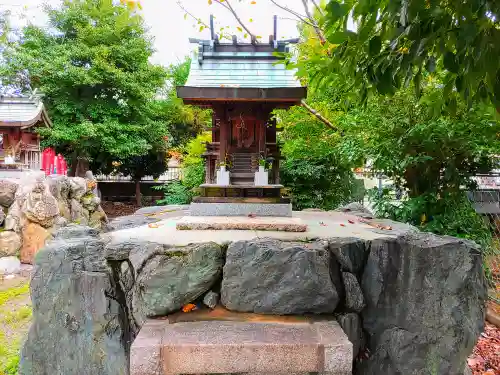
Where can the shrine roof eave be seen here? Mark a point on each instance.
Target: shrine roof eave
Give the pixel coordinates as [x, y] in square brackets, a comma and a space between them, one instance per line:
[194, 95]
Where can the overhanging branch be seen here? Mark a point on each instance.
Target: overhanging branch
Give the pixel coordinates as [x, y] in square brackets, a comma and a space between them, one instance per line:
[318, 115]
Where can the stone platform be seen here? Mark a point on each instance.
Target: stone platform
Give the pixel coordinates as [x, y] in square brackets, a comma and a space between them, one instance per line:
[280, 224]
[224, 347]
[241, 209]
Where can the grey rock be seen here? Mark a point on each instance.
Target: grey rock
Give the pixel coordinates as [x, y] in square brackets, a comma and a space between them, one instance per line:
[78, 188]
[355, 207]
[15, 219]
[9, 265]
[467, 370]
[350, 252]
[274, 277]
[60, 187]
[2, 216]
[79, 321]
[167, 281]
[211, 299]
[354, 300]
[72, 231]
[8, 190]
[131, 221]
[10, 243]
[351, 324]
[40, 206]
[425, 298]
[79, 215]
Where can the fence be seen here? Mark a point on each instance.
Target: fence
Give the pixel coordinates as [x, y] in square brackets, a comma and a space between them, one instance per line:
[172, 174]
[487, 203]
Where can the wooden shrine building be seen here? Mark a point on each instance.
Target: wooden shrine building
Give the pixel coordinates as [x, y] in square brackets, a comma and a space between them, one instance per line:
[243, 83]
[20, 115]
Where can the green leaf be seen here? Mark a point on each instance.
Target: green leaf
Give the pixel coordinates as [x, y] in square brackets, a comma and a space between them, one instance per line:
[450, 62]
[336, 10]
[340, 37]
[374, 46]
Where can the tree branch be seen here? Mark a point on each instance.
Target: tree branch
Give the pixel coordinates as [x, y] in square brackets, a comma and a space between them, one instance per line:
[318, 115]
[285, 8]
[316, 27]
[318, 8]
[191, 14]
[228, 6]
[297, 20]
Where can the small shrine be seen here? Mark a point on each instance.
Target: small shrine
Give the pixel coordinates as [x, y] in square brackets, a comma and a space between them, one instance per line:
[242, 83]
[20, 115]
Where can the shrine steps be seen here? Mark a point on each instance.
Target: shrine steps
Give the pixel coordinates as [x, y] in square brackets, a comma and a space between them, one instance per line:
[241, 347]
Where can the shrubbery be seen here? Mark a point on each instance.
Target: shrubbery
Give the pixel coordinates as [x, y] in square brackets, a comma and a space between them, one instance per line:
[193, 173]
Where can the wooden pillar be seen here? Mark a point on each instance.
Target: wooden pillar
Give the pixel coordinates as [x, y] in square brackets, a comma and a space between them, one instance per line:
[261, 130]
[224, 133]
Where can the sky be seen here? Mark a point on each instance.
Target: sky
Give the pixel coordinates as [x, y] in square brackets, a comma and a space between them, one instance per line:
[169, 28]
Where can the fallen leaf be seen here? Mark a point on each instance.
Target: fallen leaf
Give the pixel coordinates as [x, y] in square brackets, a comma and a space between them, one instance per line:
[342, 225]
[189, 307]
[154, 225]
[350, 221]
[252, 215]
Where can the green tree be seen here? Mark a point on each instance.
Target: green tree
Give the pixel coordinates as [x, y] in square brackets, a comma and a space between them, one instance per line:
[92, 64]
[396, 42]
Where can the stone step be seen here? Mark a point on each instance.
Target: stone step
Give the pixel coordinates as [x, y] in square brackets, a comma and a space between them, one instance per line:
[240, 209]
[248, 175]
[266, 223]
[222, 347]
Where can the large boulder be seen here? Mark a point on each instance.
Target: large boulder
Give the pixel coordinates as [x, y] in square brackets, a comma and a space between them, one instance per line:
[60, 188]
[425, 298]
[14, 221]
[8, 190]
[130, 221]
[34, 238]
[80, 323]
[78, 188]
[351, 324]
[274, 277]
[10, 243]
[169, 279]
[40, 206]
[354, 300]
[350, 252]
[79, 215]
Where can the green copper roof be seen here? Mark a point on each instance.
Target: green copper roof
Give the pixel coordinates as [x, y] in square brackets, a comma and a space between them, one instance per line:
[241, 67]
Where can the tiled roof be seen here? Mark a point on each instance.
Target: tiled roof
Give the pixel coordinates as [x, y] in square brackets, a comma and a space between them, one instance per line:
[22, 111]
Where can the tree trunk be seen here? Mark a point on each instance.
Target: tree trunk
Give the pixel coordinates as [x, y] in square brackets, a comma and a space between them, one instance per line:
[138, 195]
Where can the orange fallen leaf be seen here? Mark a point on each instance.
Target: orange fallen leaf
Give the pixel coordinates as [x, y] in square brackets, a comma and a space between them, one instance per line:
[189, 307]
[342, 225]
[154, 225]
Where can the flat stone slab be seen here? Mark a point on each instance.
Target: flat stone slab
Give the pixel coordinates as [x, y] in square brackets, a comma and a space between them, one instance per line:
[221, 347]
[240, 209]
[320, 225]
[281, 224]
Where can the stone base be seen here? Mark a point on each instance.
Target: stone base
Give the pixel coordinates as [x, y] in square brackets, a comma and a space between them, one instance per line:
[280, 224]
[241, 209]
[219, 347]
